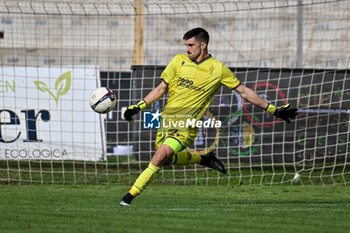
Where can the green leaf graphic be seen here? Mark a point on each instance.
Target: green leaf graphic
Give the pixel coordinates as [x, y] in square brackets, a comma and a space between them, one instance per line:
[41, 86]
[63, 83]
[62, 86]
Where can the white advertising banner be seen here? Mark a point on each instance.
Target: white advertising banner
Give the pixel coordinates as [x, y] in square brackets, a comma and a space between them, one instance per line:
[45, 114]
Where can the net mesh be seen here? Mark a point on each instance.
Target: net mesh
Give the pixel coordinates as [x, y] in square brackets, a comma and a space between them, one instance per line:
[288, 51]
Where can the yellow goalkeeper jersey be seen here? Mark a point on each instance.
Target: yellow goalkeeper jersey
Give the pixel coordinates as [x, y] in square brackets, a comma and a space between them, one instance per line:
[192, 86]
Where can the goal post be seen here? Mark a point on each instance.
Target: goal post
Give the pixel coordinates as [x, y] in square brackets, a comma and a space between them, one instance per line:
[288, 51]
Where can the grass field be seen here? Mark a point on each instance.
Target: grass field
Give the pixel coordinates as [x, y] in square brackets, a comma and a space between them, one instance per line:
[161, 208]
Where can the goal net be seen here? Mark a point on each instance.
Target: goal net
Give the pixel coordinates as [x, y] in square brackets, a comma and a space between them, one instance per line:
[54, 53]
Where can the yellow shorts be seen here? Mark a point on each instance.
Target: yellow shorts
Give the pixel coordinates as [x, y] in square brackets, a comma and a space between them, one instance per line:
[184, 136]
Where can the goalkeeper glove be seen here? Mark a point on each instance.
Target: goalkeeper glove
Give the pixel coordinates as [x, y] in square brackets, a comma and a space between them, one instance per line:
[282, 112]
[132, 110]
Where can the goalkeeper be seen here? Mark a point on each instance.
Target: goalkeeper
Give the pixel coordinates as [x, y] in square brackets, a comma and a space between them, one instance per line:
[192, 80]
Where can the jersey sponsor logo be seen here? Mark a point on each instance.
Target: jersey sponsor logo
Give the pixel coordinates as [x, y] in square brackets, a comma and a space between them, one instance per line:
[186, 83]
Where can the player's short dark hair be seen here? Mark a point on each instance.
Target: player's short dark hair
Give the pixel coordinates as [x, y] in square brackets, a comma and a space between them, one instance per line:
[199, 34]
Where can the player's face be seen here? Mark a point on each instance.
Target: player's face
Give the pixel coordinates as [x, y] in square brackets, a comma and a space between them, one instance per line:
[193, 48]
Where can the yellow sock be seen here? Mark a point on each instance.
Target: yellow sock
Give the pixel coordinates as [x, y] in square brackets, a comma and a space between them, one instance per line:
[146, 177]
[185, 157]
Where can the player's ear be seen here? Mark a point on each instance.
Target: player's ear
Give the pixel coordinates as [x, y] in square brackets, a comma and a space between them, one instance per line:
[203, 45]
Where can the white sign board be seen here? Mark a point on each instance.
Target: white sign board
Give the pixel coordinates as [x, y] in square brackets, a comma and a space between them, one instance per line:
[45, 114]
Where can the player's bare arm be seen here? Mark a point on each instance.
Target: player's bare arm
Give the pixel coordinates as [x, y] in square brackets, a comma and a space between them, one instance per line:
[251, 96]
[283, 112]
[156, 93]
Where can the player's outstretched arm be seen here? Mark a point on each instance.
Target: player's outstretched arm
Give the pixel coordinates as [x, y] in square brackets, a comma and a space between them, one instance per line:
[283, 112]
[154, 95]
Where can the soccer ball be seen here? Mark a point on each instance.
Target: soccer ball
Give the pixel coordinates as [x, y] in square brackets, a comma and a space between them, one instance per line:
[102, 100]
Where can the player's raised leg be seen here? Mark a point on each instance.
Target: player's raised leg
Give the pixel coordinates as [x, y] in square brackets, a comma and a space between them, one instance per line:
[209, 160]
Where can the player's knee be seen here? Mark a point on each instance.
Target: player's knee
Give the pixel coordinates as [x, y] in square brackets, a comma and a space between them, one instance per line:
[162, 156]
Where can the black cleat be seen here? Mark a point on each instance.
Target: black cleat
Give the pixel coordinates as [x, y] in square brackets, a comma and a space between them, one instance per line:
[126, 200]
[210, 160]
